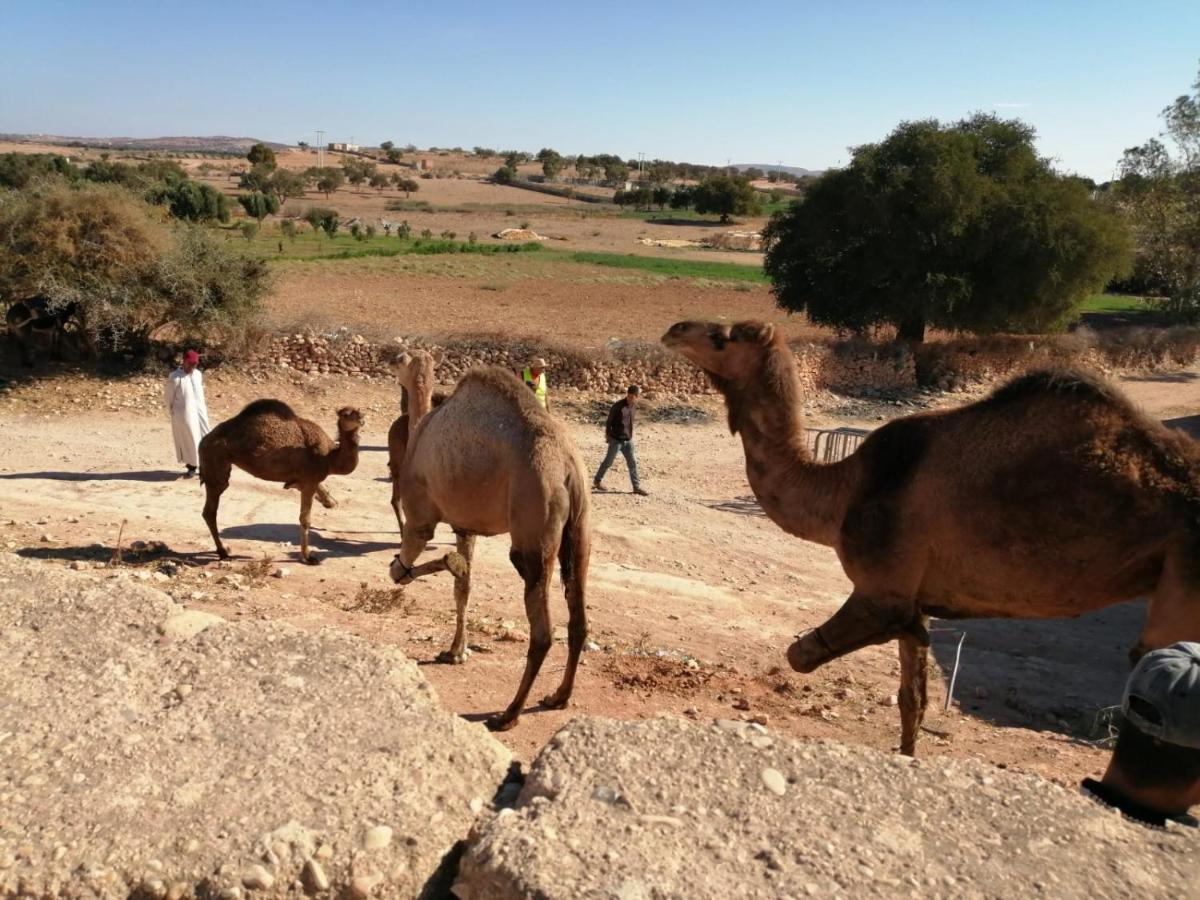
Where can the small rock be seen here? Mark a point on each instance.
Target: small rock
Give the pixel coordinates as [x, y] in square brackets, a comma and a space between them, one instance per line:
[361, 887]
[314, 877]
[741, 703]
[377, 838]
[591, 647]
[47, 538]
[257, 878]
[187, 624]
[282, 572]
[773, 781]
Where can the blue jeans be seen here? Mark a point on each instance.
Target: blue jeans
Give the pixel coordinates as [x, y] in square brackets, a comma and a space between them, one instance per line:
[626, 448]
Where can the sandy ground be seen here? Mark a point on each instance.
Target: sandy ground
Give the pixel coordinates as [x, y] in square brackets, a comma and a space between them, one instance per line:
[693, 597]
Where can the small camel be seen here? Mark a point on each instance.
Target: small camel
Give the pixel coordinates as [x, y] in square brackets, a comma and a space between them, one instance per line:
[488, 461]
[39, 317]
[268, 440]
[1051, 498]
[415, 372]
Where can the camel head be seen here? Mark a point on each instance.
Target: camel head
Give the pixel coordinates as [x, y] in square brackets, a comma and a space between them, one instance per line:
[732, 355]
[415, 369]
[349, 420]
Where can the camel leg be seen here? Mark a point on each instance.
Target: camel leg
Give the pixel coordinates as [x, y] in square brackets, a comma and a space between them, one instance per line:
[536, 571]
[396, 504]
[216, 479]
[573, 559]
[862, 620]
[325, 498]
[914, 683]
[1174, 610]
[457, 654]
[307, 492]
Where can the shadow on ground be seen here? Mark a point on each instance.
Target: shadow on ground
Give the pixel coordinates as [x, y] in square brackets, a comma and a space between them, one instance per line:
[1189, 425]
[290, 534]
[742, 506]
[150, 475]
[1048, 674]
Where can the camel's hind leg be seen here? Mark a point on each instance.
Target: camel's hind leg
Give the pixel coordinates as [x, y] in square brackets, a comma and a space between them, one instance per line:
[324, 497]
[573, 558]
[914, 683]
[307, 492]
[215, 475]
[457, 654]
[535, 568]
[396, 501]
[1174, 610]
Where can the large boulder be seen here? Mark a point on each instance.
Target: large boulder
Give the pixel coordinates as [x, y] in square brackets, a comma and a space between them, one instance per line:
[153, 752]
[664, 808]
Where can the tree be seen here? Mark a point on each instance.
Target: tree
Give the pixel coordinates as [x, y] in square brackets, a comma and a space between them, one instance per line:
[615, 171]
[262, 155]
[726, 195]
[322, 218]
[552, 162]
[131, 272]
[258, 178]
[259, 205]
[505, 175]
[358, 171]
[386, 146]
[753, 174]
[961, 227]
[661, 195]
[287, 184]
[682, 198]
[197, 202]
[394, 156]
[288, 229]
[303, 145]
[329, 180]
[379, 181]
[1159, 195]
[403, 183]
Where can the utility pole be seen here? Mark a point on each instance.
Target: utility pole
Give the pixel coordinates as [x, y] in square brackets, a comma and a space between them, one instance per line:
[320, 149]
[641, 165]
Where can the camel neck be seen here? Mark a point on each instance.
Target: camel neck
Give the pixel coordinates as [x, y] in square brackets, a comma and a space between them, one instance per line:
[345, 455]
[801, 496]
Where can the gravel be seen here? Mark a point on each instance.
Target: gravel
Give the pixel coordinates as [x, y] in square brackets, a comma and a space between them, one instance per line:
[151, 751]
[664, 808]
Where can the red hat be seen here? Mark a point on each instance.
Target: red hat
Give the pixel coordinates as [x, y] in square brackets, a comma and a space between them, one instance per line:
[191, 357]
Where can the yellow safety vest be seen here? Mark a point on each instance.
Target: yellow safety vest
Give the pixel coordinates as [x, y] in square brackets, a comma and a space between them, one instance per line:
[539, 388]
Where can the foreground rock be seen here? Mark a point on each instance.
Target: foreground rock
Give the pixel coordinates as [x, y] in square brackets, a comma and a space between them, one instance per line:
[153, 752]
[662, 808]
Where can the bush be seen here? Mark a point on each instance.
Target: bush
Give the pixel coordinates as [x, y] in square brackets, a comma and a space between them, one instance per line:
[321, 218]
[505, 175]
[131, 272]
[259, 205]
[17, 170]
[248, 230]
[404, 231]
[288, 229]
[426, 233]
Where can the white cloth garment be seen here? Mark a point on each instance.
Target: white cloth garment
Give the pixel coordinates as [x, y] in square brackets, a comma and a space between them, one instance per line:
[184, 396]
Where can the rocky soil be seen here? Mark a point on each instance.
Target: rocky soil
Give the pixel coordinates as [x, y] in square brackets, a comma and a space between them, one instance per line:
[663, 808]
[151, 751]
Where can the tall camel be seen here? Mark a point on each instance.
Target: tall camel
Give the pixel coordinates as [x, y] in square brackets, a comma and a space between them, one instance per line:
[268, 440]
[415, 372]
[488, 461]
[1051, 498]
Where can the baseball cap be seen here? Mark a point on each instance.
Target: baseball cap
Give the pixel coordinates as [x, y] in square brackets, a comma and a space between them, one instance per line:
[634, 389]
[1162, 696]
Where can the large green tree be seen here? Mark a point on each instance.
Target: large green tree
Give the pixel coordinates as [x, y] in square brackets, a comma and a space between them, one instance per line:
[259, 205]
[726, 195]
[960, 226]
[262, 155]
[1159, 193]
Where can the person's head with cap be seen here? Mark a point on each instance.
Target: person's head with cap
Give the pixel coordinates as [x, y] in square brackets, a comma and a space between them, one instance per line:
[537, 365]
[1156, 762]
[631, 395]
[191, 359]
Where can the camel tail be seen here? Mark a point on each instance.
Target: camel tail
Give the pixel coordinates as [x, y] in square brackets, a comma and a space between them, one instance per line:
[575, 549]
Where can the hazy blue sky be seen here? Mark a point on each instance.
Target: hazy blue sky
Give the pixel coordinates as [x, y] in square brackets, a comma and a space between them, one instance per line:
[703, 82]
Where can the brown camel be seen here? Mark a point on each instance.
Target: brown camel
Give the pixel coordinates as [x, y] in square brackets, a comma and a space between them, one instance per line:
[1050, 498]
[268, 440]
[415, 372]
[491, 460]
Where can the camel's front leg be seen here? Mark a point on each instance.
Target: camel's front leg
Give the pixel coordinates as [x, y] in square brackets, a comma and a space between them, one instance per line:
[325, 498]
[457, 654]
[914, 683]
[306, 498]
[536, 572]
[861, 621]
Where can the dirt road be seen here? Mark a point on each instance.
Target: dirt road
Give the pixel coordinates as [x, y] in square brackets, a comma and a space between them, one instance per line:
[694, 595]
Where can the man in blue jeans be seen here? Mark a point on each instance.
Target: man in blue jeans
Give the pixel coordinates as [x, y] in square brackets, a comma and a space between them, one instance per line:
[619, 432]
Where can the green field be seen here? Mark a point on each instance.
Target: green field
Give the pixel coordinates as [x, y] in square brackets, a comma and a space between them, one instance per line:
[1115, 303]
[669, 268]
[310, 246]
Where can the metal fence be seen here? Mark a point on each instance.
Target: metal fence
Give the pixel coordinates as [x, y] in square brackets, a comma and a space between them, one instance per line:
[831, 444]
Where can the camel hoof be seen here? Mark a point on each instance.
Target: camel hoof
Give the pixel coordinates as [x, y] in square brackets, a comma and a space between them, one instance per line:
[450, 658]
[806, 655]
[500, 723]
[222, 553]
[311, 560]
[552, 701]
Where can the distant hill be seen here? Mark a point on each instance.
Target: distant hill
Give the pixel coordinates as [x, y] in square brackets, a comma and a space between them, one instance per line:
[771, 167]
[213, 144]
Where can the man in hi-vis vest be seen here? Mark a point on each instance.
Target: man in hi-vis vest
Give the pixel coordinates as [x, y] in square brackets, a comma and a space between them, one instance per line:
[534, 376]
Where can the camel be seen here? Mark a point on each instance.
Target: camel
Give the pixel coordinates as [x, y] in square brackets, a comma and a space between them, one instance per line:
[38, 317]
[1050, 498]
[489, 461]
[415, 372]
[268, 440]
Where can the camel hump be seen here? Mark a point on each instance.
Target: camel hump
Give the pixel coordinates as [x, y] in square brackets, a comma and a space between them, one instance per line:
[1061, 383]
[267, 407]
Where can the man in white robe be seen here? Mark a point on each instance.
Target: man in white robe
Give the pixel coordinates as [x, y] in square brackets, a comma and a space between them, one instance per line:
[184, 396]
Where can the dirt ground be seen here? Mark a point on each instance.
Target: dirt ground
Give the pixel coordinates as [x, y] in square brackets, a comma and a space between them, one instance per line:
[693, 598]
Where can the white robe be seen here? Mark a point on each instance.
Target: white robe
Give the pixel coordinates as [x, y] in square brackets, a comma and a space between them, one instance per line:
[184, 395]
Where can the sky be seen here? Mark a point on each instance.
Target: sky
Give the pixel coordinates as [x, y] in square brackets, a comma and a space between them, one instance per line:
[791, 82]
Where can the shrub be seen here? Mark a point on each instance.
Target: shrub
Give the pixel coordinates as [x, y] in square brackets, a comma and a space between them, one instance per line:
[248, 230]
[426, 233]
[322, 218]
[404, 231]
[288, 229]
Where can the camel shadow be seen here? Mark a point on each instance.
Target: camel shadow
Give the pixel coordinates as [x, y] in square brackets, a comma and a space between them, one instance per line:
[152, 552]
[1189, 425]
[742, 506]
[151, 476]
[1164, 378]
[1046, 674]
[279, 533]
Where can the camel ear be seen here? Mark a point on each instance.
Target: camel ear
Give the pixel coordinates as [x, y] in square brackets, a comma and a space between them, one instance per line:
[753, 332]
[438, 355]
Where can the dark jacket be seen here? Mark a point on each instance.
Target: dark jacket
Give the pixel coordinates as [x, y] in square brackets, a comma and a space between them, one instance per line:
[619, 426]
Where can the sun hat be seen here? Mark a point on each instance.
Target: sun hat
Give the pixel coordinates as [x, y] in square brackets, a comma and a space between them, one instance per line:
[537, 363]
[1162, 696]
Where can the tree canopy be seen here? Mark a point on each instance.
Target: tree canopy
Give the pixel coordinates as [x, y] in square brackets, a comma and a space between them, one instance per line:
[726, 195]
[262, 155]
[961, 227]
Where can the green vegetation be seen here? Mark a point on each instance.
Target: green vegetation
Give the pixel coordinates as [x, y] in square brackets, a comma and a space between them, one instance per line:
[961, 227]
[670, 268]
[318, 245]
[1115, 303]
[726, 195]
